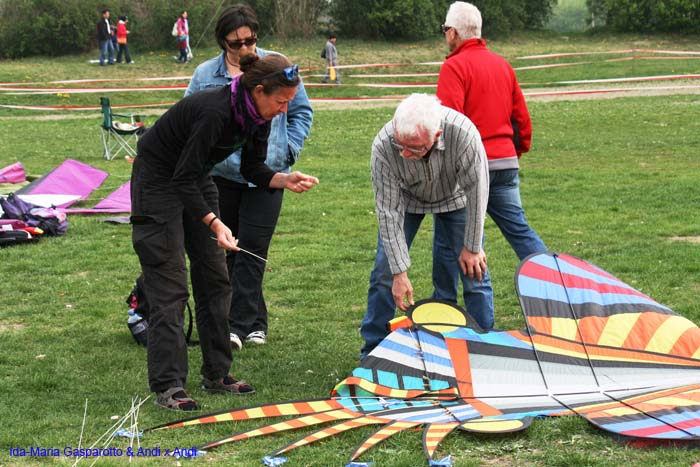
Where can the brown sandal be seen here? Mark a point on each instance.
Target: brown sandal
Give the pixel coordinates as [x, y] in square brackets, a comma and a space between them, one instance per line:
[176, 398]
[228, 385]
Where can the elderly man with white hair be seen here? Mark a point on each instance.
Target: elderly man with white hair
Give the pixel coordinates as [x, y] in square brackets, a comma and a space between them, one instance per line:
[482, 85]
[428, 160]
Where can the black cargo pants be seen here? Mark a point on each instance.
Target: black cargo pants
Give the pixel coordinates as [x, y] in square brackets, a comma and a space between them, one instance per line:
[162, 233]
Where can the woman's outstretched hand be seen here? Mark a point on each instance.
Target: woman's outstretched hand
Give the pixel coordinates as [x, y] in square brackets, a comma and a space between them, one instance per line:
[299, 182]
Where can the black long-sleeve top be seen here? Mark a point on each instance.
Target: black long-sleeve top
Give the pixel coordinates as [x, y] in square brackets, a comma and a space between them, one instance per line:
[194, 135]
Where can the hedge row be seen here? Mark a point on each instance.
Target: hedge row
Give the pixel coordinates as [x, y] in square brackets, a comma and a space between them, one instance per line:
[676, 16]
[59, 27]
[418, 19]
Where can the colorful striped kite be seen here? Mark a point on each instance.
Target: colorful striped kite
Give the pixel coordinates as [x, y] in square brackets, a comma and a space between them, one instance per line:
[593, 346]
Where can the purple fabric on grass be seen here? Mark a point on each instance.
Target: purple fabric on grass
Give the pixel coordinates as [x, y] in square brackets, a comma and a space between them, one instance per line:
[116, 202]
[69, 178]
[13, 173]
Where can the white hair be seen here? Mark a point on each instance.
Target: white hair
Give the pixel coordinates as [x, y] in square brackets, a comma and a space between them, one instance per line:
[465, 18]
[416, 112]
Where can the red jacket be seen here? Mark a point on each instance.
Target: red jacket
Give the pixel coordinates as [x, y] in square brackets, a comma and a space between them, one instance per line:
[121, 32]
[482, 85]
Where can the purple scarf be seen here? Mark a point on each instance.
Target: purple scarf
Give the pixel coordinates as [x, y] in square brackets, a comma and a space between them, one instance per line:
[239, 115]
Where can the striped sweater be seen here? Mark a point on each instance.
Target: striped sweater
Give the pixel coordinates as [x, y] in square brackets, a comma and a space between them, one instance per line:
[452, 176]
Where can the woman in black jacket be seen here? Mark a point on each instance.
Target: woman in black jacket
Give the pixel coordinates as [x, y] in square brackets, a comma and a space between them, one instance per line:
[175, 211]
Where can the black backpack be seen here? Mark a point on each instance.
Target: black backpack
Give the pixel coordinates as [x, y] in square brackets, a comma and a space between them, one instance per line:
[323, 52]
[138, 302]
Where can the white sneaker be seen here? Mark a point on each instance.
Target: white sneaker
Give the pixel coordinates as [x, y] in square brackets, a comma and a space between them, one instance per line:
[236, 343]
[257, 337]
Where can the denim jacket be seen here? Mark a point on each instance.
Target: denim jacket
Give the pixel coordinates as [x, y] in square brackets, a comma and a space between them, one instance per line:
[287, 133]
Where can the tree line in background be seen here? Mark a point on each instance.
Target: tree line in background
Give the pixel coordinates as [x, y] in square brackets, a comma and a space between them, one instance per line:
[60, 27]
[418, 19]
[647, 16]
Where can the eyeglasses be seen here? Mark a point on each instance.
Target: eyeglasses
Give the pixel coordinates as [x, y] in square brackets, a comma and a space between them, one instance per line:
[444, 28]
[236, 45]
[290, 73]
[412, 150]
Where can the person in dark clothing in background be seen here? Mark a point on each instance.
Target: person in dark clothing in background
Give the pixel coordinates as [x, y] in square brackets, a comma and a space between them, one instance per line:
[104, 37]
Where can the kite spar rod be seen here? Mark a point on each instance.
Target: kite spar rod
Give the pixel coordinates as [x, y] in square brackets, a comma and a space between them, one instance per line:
[248, 252]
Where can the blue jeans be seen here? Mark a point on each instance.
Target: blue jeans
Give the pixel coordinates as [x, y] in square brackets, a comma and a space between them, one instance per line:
[106, 48]
[506, 210]
[448, 241]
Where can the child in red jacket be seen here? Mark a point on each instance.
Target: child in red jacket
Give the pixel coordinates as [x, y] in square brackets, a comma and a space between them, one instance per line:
[122, 32]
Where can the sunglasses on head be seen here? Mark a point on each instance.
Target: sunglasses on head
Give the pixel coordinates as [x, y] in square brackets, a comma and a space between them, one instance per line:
[444, 28]
[235, 45]
[290, 73]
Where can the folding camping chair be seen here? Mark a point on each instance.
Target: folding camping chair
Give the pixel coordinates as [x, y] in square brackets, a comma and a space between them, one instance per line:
[117, 136]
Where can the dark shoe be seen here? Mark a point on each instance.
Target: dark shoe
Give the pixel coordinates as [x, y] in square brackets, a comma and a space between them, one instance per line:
[228, 385]
[176, 399]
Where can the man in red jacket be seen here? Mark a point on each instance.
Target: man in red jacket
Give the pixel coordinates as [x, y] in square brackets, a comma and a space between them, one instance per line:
[482, 85]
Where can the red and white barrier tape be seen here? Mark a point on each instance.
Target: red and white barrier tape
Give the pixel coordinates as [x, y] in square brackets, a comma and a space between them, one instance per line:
[574, 92]
[28, 91]
[169, 104]
[631, 79]
[99, 80]
[397, 85]
[570, 92]
[624, 51]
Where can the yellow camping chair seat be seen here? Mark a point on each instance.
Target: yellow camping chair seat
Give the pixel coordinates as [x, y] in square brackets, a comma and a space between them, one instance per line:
[120, 132]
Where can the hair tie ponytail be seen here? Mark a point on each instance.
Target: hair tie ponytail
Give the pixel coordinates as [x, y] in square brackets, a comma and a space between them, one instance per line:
[247, 61]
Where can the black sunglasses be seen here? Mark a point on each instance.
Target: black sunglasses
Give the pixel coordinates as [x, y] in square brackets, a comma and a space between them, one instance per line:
[444, 28]
[290, 73]
[235, 45]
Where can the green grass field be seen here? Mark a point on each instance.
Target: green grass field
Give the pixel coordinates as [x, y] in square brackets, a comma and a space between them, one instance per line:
[611, 181]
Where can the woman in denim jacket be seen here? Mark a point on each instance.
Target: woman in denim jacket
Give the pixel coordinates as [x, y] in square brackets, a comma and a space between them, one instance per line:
[250, 211]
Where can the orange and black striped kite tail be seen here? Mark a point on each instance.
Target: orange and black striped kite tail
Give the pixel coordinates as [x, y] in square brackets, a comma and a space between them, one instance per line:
[293, 424]
[250, 413]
